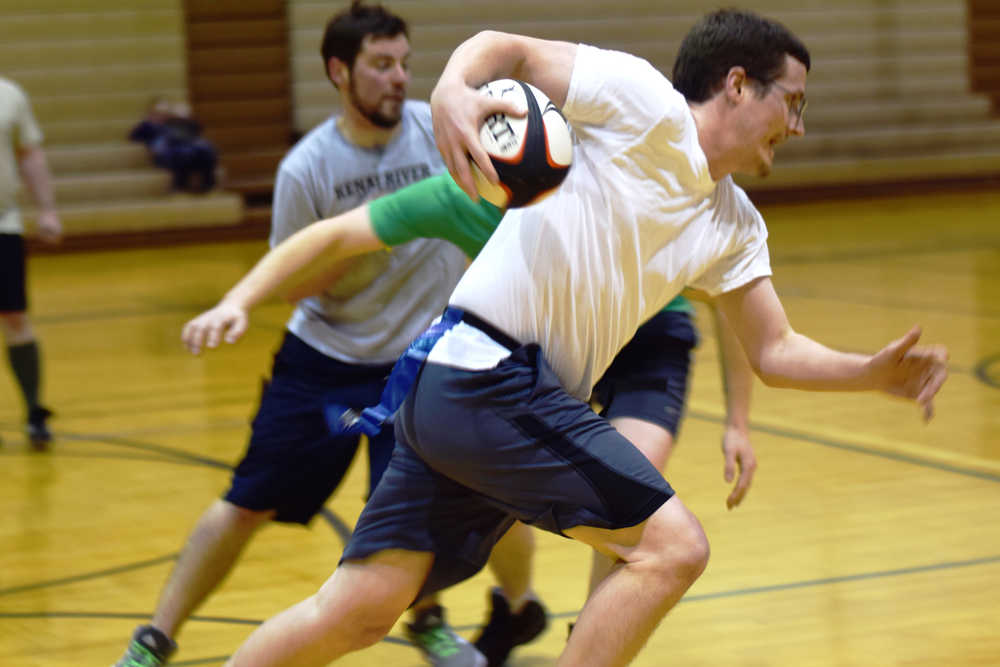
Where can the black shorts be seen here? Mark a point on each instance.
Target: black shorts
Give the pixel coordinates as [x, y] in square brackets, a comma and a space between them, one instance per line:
[13, 294]
[648, 380]
[478, 449]
[293, 463]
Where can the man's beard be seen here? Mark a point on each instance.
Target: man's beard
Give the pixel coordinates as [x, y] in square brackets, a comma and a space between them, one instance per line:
[372, 114]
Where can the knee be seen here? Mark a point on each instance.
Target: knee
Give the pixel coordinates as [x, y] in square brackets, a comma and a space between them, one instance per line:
[225, 513]
[368, 630]
[694, 551]
[684, 548]
[16, 327]
[355, 626]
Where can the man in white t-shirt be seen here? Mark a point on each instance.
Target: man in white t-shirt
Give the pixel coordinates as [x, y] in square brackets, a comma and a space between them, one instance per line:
[497, 427]
[21, 153]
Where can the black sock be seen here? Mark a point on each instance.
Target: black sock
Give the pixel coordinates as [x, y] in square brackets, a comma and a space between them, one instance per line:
[25, 362]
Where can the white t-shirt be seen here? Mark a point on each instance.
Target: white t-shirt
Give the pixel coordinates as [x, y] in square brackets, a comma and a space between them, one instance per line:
[637, 219]
[18, 131]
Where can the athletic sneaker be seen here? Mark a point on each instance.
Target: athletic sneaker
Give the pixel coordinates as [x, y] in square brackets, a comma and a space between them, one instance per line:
[149, 648]
[505, 630]
[439, 643]
[38, 430]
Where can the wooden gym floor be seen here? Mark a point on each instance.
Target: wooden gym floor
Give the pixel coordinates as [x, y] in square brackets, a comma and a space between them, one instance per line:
[868, 538]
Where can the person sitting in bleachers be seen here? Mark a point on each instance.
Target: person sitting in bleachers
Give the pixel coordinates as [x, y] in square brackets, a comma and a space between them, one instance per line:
[174, 140]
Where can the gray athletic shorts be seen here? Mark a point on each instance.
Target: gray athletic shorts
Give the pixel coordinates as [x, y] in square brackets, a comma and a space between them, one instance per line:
[476, 450]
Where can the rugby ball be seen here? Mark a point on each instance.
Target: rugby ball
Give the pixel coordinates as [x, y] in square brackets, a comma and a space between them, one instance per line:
[532, 154]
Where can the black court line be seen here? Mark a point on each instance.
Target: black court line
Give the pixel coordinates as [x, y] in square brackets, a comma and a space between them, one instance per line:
[887, 303]
[933, 247]
[85, 577]
[737, 592]
[334, 521]
[168, 452]
[857, 449]
[829, 581]
[988, 371]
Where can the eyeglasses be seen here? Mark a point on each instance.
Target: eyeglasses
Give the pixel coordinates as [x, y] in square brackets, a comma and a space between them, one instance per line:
[795, 108]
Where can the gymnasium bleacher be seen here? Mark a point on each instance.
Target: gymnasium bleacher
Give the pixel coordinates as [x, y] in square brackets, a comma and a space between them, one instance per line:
[90, 69]
[890, 99]
[889, 94]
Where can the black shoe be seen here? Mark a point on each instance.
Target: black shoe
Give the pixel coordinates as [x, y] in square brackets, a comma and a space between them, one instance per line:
[149, 648]
[505, 630]
[38, 429]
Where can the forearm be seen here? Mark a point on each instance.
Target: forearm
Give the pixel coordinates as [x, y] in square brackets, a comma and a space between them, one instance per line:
[38, 179]
[300, 260]
[798, 362]
[737, 375]
[491, 55]
[483, 57]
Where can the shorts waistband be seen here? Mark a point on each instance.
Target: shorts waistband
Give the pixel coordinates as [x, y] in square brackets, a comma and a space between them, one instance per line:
[477, 322]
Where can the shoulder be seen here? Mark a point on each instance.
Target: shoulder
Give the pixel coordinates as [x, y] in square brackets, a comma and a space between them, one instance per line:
[12, 91]
[9, 86]
[418, 110]
[607, 83]
[316, 142]
[417, 117]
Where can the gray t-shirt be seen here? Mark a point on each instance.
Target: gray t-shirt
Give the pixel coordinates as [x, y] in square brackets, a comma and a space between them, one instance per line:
[388, 297]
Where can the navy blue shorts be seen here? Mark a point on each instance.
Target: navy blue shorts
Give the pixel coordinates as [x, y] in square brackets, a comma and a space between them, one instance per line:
[13, 294]
[293, 464]
[477, 449]
[648, 380]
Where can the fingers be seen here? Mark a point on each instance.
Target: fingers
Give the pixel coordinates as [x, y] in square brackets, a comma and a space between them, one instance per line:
[191, 337]
[458, 115]
[933, 379]
[236, 331]
[901, 346]
[739, 491]
[739, 455]
[210, 328]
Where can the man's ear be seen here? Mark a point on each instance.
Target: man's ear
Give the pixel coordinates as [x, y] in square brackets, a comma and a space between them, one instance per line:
[736, 84]
[339, 73]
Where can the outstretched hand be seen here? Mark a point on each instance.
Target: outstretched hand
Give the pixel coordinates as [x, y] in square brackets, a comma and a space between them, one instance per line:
[903, 369]
[223, 322]
[458, 112]
[738, 455]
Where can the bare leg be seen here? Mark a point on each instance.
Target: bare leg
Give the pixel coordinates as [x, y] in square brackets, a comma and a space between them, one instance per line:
[210, 554]
[657, 444]
[16, 328]
[355, 608]
[661, 558]
[511, 564]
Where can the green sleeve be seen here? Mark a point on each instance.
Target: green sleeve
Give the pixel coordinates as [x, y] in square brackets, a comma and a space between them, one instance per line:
[434, 208]
[680, 303]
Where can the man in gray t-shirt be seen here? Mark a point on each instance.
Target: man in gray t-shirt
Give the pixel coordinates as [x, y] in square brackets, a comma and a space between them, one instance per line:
[339, 347]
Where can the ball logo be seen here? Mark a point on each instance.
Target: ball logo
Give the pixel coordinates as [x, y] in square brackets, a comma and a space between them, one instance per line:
[531, 153]
[503, 133]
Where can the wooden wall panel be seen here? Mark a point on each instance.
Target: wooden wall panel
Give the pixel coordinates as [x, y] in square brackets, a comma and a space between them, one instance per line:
[240, 86]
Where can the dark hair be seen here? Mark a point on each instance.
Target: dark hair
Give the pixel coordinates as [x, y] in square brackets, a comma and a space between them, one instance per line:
[347, 30]
[729, 38]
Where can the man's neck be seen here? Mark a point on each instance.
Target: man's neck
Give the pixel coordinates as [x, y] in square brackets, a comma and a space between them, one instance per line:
[364, 133]
[711, 138]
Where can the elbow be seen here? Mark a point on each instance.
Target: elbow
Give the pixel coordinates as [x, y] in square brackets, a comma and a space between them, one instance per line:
[767, 370]
[771, 380]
